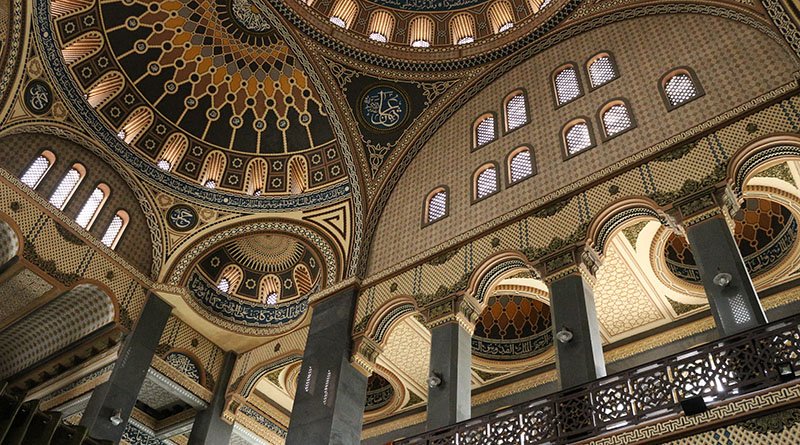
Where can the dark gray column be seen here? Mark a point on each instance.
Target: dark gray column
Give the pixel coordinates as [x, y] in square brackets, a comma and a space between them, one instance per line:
[580, 360]
[731, 295]
[329, 402]
[209, 428]
[735, 306]
[121, 390]
[451, 358]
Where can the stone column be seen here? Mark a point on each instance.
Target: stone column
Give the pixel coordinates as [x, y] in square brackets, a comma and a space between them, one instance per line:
[208, 424]
[576, 331]
[118, 395]
[329, 401]
[452, 322]
[731, 295]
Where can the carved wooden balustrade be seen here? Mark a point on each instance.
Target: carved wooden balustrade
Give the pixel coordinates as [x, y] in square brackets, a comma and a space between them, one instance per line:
[753, 360]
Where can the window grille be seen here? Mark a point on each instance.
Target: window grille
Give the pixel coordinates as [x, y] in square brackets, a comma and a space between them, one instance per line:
[521, 166]
[378, 37]
[578, 138]
[90, 208]
[338, 22]
[211, 184]
[516, 113]
[437, 206]
[466, 39]
[680, 89]
[567, 86]
[114, 231]
[65, 188]
[601, 71]
[486, 183]
[616, 120]
[164, 165]
[421, 43]
[34, 174]
[505, 27]
[272, 298]
[484, 132]
[224, 285]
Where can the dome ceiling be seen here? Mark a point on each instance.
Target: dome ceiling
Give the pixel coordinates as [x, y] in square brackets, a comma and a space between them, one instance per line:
[512, 327]
[206, 90]
[256, 281]
[765, 233]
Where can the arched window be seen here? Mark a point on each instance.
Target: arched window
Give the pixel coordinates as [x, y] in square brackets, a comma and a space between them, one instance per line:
[601, 70]
[343, 13]
[567, 85]
[537, 5]
[105, 89]
[381, 26]
[302, 279]
[462, 29]
[577, 137]
[616, 118]
[436, 205]
[520, 165]
[115, 228]
[679, 87]
[420, 32]
[483, 131]
[516, 111]
[82, 48]
[213, 168]
[136, 124]
[255, 179]
[298, 175]
[173, 151]
[69, 183]
[501, 16]
[269, 289]
[230, 278]
[38, 168]
[486, 182]
[92, 206]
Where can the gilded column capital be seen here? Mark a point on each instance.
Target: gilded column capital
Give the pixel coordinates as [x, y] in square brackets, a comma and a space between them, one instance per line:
[455, 308]
[579, 259]
[365, 355]
[713, 202]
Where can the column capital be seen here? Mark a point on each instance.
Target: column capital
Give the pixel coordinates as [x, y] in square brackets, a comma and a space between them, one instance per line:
[712, 202]
[365, 354]
[576, 259]
[455, 308]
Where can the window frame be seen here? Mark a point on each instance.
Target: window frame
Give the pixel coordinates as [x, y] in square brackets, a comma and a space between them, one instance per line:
[672, 73]
[572, 122]
[481, 117]
[509, 96]
[598, 55]
[604, 136]
[555, 73]
[125, 217]
[510, 155]
[426, 203]
[81, 169]
[477, 172]
[49, 156]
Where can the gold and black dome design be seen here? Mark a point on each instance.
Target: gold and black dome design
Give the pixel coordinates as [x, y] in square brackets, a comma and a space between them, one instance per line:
[258, 280]
[206, 90]
[765, 233]
[512, 327]
[379, 393]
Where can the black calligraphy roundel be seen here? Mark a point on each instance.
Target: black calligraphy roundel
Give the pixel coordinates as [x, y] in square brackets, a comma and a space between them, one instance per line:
[38, 97]
[383, 108]
[181, 217]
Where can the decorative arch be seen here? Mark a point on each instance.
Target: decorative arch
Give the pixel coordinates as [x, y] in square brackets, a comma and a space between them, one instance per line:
[343, 13]
[105, 89]
[516, 110]
[136, 124]
[388, 315]
[381, 25]
[298, 174]
[608, 220]
[501, 16]
[420, 32]
[269, 286]
[255, 180]
[462, 29]
[244, 385]
[37, 169]
[173, 150]
[213, 169]
[82, 48]
[492, 270]
[761, 153]
[485, 181]
[484, 130]
[233, 276]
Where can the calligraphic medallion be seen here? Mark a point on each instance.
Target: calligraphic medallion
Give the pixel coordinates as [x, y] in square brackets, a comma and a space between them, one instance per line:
[383, 108]
[38, 97]
[181, 217]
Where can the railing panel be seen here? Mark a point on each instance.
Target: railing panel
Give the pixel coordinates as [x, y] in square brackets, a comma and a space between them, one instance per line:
[745, 362]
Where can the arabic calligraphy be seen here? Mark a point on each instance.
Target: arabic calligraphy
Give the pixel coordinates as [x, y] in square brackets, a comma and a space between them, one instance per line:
[428, 5]
[38, 97]
[181, 217]
[384, 108]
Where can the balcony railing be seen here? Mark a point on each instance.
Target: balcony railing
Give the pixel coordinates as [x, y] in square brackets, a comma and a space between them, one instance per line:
[746, 362]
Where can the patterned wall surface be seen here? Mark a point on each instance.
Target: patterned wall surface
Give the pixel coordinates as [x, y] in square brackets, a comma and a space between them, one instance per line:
[448, 157]
[61, 322]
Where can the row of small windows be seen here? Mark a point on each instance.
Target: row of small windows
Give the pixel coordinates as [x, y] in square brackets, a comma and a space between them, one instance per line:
[462, 26]
[677, 87]
[69, 183]
[486, 182]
